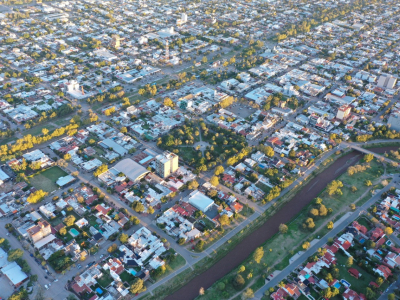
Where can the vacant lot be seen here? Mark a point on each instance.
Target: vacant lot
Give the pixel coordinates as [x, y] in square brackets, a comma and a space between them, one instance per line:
[241, 110]
[46, 180]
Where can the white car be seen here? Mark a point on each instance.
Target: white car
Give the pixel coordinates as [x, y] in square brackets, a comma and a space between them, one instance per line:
[101, 256]
[46, 287]
[56, 280]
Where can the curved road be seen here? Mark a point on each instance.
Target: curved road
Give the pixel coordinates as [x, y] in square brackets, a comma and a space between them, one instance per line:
[242, 251]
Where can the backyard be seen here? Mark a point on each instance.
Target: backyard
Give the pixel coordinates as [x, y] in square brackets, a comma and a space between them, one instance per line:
[359, 285]
[46, 180]
[105, 280]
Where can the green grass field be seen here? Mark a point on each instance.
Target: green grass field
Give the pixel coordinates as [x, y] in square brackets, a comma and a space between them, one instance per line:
[263, 187]
[173, 266]
[359, 284]
[127, 277]
[61, 122]
[46, 180]
[37, 130]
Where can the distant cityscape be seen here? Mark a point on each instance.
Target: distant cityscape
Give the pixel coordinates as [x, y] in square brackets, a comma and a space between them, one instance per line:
[199, 150]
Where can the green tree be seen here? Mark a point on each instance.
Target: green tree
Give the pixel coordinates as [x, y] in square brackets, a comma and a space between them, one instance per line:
[370, 294]
[199, 246]
[15, 254]
[123, 238]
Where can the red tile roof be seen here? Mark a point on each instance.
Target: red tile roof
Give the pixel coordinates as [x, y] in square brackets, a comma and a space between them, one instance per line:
[102, 209]
[228, 178]
[180, 210]
[360, 228]
[79, 289]
[373, 284]
[354, 272]
[376, 234]
[385, 271]
[189, 208]
[280, 294]
[91, 199]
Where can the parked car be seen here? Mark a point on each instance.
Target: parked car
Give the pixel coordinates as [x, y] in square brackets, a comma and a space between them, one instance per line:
[46, 287]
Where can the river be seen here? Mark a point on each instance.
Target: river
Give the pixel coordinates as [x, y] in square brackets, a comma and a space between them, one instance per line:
[238, 254]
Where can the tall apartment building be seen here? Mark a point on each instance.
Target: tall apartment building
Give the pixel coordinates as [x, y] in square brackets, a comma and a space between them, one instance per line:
[39, 231]
[343, 112]
[184, 18]
[116, 41]
[166, 164]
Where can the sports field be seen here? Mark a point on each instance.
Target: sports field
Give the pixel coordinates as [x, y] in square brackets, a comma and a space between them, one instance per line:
[46, 180]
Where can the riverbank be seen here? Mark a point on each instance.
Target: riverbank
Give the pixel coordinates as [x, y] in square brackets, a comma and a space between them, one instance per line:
[209, 270]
